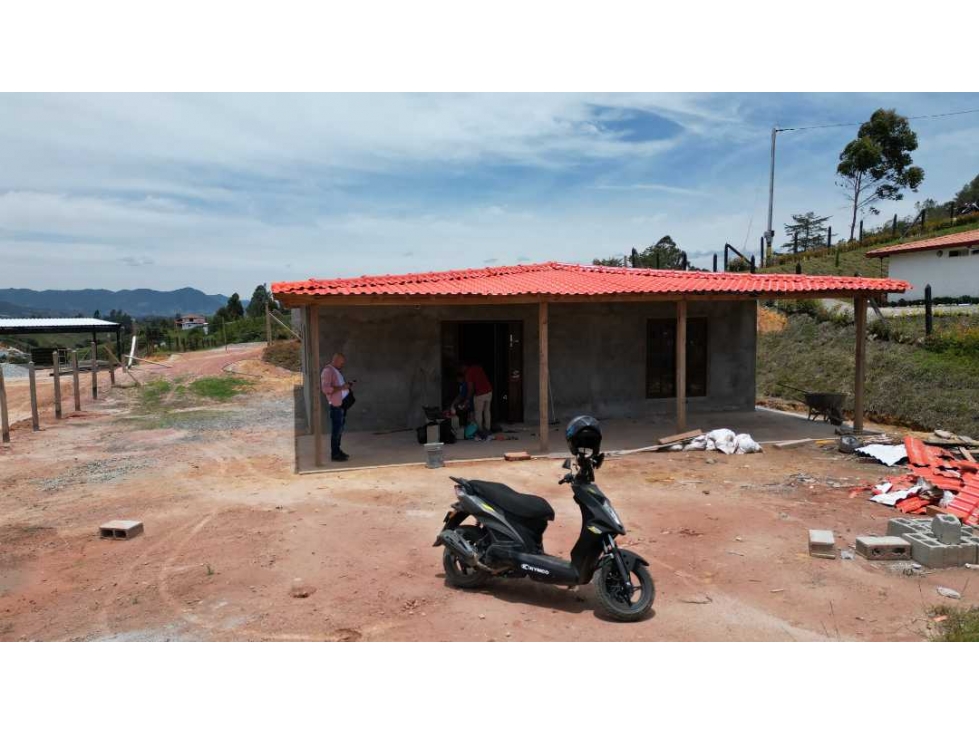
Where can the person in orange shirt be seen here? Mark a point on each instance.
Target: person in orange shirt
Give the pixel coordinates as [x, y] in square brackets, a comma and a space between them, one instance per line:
[481, 389]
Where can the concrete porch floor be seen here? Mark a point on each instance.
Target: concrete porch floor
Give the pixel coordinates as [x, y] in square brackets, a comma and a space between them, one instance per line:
[368, 449]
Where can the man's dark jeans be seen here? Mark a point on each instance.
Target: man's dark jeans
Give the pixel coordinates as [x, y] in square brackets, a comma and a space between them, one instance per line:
[337, 418]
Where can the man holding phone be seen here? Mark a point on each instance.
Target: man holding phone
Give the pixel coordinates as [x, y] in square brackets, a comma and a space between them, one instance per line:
[339, 393]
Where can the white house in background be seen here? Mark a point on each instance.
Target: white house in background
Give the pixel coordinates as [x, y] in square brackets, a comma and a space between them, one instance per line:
[191, 321]
[949, 264]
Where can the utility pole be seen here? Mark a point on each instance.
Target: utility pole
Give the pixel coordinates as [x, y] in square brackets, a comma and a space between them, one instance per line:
[770, 233]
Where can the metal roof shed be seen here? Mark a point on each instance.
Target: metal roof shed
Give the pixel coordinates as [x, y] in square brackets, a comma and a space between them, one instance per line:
[62, 326]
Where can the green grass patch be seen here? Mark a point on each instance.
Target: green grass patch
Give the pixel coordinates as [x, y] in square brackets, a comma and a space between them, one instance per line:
[959, 625]
[160, 398]
[221, 388]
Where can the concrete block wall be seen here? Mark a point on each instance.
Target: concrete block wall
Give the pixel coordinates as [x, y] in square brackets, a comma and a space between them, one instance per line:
[597, 358]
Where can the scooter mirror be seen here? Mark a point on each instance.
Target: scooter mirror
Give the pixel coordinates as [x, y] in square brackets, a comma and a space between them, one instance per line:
[567, 464]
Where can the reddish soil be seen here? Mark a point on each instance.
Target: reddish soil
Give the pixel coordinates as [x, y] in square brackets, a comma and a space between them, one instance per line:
[237, 547]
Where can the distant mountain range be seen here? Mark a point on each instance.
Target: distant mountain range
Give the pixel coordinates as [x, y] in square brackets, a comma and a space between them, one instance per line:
[24, 302]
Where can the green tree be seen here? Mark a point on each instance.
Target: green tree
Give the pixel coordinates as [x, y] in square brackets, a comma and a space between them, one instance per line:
[234, 310]
[811, 231]
[611, 262]
[665, 254]
[968, 194]
[256, 306]
[877, 164]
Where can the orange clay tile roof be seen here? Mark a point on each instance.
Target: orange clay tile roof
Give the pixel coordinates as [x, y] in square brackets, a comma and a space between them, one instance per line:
[560, 279]
[935, 243]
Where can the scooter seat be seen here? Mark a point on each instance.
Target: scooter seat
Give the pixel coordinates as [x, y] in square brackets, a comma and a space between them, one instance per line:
[522, 505]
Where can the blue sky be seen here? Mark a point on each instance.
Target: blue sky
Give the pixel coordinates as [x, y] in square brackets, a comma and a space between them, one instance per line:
[222, 192]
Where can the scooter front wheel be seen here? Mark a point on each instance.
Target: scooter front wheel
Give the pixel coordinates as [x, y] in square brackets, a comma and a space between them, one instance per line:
[615, 598]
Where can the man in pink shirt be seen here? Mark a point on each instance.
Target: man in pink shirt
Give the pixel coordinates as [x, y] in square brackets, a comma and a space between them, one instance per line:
[336, 388]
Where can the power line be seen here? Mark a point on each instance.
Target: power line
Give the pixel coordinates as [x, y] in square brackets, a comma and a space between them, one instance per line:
[857, 124]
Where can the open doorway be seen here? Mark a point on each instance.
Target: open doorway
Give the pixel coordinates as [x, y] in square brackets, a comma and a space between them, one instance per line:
[496, 346]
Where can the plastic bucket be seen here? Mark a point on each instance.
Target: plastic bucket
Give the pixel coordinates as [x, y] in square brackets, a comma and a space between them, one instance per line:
[433, 455]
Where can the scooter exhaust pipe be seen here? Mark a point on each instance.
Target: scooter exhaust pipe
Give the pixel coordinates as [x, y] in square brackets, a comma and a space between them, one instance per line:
[462, 548]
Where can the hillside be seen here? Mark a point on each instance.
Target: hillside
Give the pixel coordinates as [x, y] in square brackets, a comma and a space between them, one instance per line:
[853, 259]
[905, 385]
[139, 302]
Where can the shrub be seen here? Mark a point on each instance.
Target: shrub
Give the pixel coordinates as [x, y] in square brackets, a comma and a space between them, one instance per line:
[284, 354]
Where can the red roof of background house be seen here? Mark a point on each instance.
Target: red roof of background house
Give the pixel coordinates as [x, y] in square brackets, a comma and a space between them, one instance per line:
[560, 279]
[935, 243]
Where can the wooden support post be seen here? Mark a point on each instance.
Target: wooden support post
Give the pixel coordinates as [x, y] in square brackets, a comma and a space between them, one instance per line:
[74, 380]
[95, 371]
[268, 326]
[32, 379]
[681, 366]
[4, 419]
[543, 392]
[860, 320]
[314, 384]
[57, 383]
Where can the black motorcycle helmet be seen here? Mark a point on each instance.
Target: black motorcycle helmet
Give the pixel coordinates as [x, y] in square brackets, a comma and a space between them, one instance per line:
[583, 433]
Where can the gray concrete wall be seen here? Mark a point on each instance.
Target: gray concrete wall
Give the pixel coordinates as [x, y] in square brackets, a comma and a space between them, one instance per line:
[597, 358]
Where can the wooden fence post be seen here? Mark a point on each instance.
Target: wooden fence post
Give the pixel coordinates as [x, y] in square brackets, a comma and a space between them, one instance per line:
[57, 384]
[4, 420]
[35, 423]
[95, 371]
[74, 379]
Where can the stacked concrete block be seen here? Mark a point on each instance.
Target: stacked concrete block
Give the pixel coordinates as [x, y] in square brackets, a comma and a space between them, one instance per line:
[927, 550]
[901, 526]
[947, 529]
[888, 548]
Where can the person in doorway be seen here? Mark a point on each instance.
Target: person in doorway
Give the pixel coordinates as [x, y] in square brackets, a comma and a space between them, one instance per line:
[337, 390]
[462, 406]
[481, 389]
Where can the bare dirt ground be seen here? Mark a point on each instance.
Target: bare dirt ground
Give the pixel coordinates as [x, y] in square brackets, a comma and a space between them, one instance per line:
[237, 547]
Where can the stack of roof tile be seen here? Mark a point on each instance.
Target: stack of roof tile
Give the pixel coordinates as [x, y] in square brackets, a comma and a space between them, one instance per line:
[942, 469]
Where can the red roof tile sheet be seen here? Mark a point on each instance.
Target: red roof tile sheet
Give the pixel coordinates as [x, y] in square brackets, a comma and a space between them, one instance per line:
[560, 279]
[934, 243]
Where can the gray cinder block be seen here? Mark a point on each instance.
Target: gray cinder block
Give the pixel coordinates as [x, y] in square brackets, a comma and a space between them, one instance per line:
[947, 529]
[888, 548]
[901, 526]
[928, 551]
[121, 529]
[822, 544]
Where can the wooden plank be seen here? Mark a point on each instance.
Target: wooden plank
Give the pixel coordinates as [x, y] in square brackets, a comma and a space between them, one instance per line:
[681, 366]
[542, 393]
[32, 379]
[74, 380]
[132, 353]
[793, 444]
[57, 384]
[679, 437]
[860, 320]
[314, 384]
[966, 454]
[4, 418]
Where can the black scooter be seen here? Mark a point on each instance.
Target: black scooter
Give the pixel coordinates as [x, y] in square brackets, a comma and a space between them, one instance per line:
[507, 541]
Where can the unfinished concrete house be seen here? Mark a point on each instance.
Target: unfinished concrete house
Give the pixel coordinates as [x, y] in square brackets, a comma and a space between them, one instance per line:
[617, 343]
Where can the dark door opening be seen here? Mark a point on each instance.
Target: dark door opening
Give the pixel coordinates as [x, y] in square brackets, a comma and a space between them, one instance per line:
[497, 347]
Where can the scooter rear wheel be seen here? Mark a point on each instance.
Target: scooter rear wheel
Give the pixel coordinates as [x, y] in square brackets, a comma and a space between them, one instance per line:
[458, 573]
[615, 600]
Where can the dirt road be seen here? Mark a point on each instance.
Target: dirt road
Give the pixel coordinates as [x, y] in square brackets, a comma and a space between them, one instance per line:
[232, 534]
